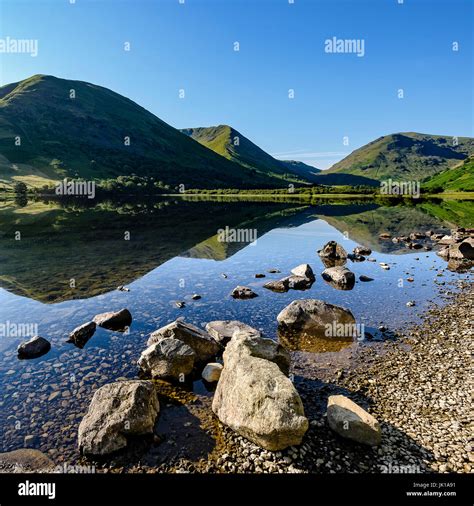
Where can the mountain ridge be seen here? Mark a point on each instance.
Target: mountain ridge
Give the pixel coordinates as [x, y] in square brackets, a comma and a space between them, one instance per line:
[231, 144]
[69, 128]
[404, 155]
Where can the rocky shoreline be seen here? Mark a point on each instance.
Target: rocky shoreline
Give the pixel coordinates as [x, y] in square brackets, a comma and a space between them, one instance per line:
[418, 388]
[408, 400]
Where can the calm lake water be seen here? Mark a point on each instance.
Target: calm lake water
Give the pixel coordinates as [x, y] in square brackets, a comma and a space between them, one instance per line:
[61, 265]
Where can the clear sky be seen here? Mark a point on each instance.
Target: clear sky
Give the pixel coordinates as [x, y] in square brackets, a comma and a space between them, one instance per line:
[190, 47]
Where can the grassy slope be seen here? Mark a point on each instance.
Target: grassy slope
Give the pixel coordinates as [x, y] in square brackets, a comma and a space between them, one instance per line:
[405, 156]
[459, 178]
[231, 144]
[84, 137]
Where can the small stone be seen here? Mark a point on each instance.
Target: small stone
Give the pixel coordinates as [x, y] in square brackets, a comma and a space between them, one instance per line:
[212, 372]
[243, 292]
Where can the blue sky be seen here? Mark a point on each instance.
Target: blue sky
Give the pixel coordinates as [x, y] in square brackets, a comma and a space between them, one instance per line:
[190, 46]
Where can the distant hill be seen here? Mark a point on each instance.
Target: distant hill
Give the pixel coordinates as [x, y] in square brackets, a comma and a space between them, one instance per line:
[404, 156]
[459, 178]
[77, 129]
[231, 144]
[301, 169]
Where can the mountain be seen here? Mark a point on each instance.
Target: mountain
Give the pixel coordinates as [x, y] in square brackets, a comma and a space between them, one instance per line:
[77, 129]
[301, 169]
[404, 156]
[231, 144]
[459, 178]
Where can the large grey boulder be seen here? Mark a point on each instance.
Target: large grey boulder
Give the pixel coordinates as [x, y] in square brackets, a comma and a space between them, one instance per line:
[267, 349]
[312, 317]
[168, 358]
[223, 330]
[201, 342]
[33, 348]
[118, 320]
[349, 420]
[80, 335]
[333, 250]
[255, 398]
[339, 277]
[117, 411]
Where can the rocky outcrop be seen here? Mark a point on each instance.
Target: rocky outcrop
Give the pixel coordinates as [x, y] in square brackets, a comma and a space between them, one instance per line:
[255, 398]
[212, 372]
[312, 317]
[333, 250]
[199, 341]
[119, 320]
[243, 292]
[339, 277]
[117, 411]
[167, 359]
[34, 348]
[351, 421]
[80, 335]
[223, 330]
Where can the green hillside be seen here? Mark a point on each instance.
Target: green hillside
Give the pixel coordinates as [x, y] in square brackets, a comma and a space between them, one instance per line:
[85, 135]
[459, 178]
[405, 156]
[231, 144]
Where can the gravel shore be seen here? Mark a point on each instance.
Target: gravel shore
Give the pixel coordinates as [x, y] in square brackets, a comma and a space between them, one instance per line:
[419, 388]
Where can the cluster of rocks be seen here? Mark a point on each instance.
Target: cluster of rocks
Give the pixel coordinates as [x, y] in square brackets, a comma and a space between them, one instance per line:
[254, 396]
[38, 346]
[458, 249]
[301, 278]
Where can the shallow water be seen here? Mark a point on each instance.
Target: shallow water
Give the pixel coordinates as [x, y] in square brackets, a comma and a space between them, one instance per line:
[68, 262]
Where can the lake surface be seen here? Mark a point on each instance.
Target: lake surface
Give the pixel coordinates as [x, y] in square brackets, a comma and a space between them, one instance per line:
[61, 264]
